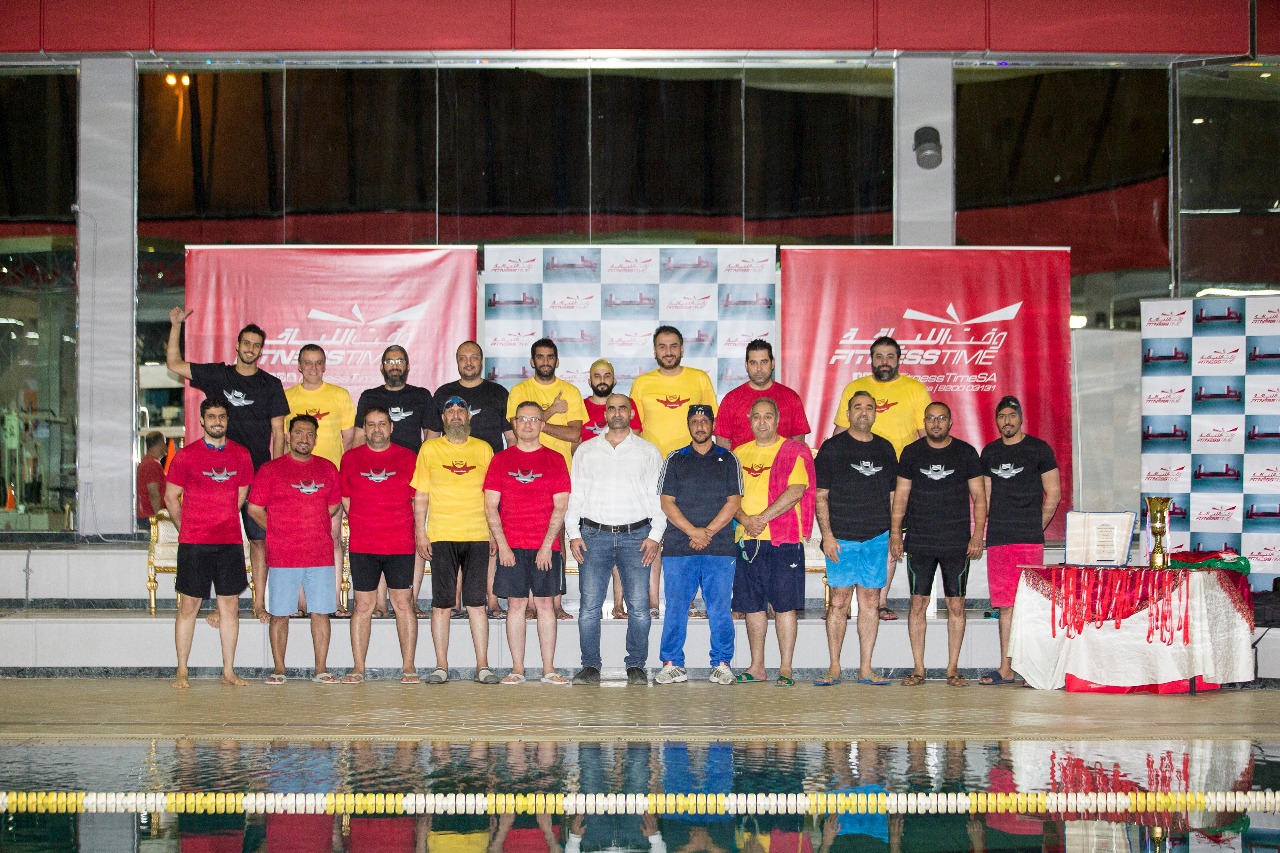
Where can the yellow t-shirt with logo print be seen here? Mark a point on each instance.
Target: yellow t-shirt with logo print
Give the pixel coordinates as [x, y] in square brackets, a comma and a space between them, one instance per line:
[329, 404]
[664, 403]
[545, 395]
[452, 475]
[900, 405]
[757, 462]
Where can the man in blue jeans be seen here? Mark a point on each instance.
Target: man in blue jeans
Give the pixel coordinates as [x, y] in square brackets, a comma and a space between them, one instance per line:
[615, 519]
[701, 489]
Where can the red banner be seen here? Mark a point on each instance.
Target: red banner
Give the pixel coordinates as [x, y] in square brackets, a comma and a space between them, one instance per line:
[354, 302]
[973, 324]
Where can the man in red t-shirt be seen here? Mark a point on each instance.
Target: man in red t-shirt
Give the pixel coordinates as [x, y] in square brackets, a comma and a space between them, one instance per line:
[378, 500]
[295, 498]
[150, 480]
[733, 423]
[207, 483]
[526, 493]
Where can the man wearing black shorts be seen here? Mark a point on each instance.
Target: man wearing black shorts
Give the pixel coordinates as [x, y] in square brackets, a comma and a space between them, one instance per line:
[257, 408]
[451, 532]
[378, 500]
[938, 478]
[207, 483]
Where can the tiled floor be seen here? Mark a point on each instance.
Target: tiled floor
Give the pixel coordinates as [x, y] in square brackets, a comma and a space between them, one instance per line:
[383, 710]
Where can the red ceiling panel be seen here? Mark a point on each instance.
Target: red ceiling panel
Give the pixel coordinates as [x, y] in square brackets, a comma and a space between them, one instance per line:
[21, 30]
[909, 25]
[332, 25]
[1129, 26]
[695, 25]
[73, 26]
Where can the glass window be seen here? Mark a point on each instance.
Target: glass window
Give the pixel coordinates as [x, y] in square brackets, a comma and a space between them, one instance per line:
[37, 301]
[1229, 187]
[1074, 158]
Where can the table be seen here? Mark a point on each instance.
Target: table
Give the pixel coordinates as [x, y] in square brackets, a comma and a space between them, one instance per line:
[1114, 630]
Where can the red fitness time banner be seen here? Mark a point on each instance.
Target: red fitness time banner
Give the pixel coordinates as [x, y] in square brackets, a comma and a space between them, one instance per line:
[973, 324]
[353, 301]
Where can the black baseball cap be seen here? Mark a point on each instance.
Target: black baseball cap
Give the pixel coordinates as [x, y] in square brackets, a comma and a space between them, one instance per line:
[700, 409]
[1009, 402]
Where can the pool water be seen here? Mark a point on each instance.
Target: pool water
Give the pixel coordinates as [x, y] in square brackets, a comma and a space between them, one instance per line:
[775, 797]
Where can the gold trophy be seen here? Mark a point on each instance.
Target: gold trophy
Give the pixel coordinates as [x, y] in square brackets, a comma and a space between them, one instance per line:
[1158, 524]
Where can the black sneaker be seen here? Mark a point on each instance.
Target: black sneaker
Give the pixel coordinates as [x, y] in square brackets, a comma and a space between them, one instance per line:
[587, 675]
[637, 675]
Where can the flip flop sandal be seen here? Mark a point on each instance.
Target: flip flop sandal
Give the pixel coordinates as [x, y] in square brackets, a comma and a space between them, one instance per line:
[957, 681]
[353, 678]
[887, 615]
[274, 678]
[484, 675]
[874, 681]
[747, 678]
[995, 679]
[325, 678]
[497, 613]
[915, 679]
[826, 681]
[554, 678]
[785, 681]
[438, 676]
[410, 678]
[513, 678]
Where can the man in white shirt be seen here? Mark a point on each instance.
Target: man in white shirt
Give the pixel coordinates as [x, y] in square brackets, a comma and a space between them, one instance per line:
[615, 519]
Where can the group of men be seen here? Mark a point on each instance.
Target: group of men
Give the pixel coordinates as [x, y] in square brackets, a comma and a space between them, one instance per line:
[665, 486]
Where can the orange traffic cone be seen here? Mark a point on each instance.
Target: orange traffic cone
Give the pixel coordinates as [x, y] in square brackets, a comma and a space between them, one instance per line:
[10, 503]
[168, 457]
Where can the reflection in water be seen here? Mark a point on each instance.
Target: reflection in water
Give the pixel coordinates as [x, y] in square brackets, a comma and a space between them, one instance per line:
[621, 769]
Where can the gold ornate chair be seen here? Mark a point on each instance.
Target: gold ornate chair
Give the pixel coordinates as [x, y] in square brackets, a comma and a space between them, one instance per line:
[162, 555]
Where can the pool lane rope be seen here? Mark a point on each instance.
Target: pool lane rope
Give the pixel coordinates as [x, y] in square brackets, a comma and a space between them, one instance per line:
[191, 802]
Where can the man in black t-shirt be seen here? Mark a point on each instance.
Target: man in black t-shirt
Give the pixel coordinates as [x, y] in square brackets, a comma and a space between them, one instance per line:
[701, 489]
[1023, 493]
[856, 473]
[488, 404]
[257, 409]
[412, 408]
[938, 478]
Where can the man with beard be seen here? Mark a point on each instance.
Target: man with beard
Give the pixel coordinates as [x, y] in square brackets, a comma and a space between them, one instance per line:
[602, 385]
[900, 404]
[489, 423]
[295, 498]
[257, 409]
[206, 487]
[664, 396]
[733, 424]
[615, 519]
[701, 489]
[378, 499]
[413, 412]
[1023, 492]
[938, 478]
[856, 473]
[449, 479]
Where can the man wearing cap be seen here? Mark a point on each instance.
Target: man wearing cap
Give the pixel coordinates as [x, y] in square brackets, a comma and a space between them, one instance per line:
[701, 489]
[602, 385]
[452, 532]
[856, 473]
[900, 404]
[939, 478]
[489, 423]
[378, 498]
[615, 519]
[733, 425]
[775, 518]
[1023, 493]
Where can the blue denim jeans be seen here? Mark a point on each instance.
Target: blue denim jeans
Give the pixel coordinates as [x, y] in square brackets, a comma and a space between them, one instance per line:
[681, 578]
[604, 551]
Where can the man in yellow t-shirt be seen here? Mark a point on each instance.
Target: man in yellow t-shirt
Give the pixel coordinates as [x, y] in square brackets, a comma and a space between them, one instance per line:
[328, 404]
[775, 518]
[900, 404]
[451, 531]
[563, 412]
[331, 406]
[664, 397]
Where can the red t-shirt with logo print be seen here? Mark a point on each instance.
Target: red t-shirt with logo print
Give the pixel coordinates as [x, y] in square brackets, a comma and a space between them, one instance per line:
[297, 496]
[527, 482]
[377, 484]
[211, 480]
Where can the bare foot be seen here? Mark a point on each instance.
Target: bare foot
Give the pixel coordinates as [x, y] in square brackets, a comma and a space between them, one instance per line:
[232, 680]
[530, 613]
[261, 614]
[214, 619]
[619, 612]
[738, 616]
[181, 682]
[561, 613]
